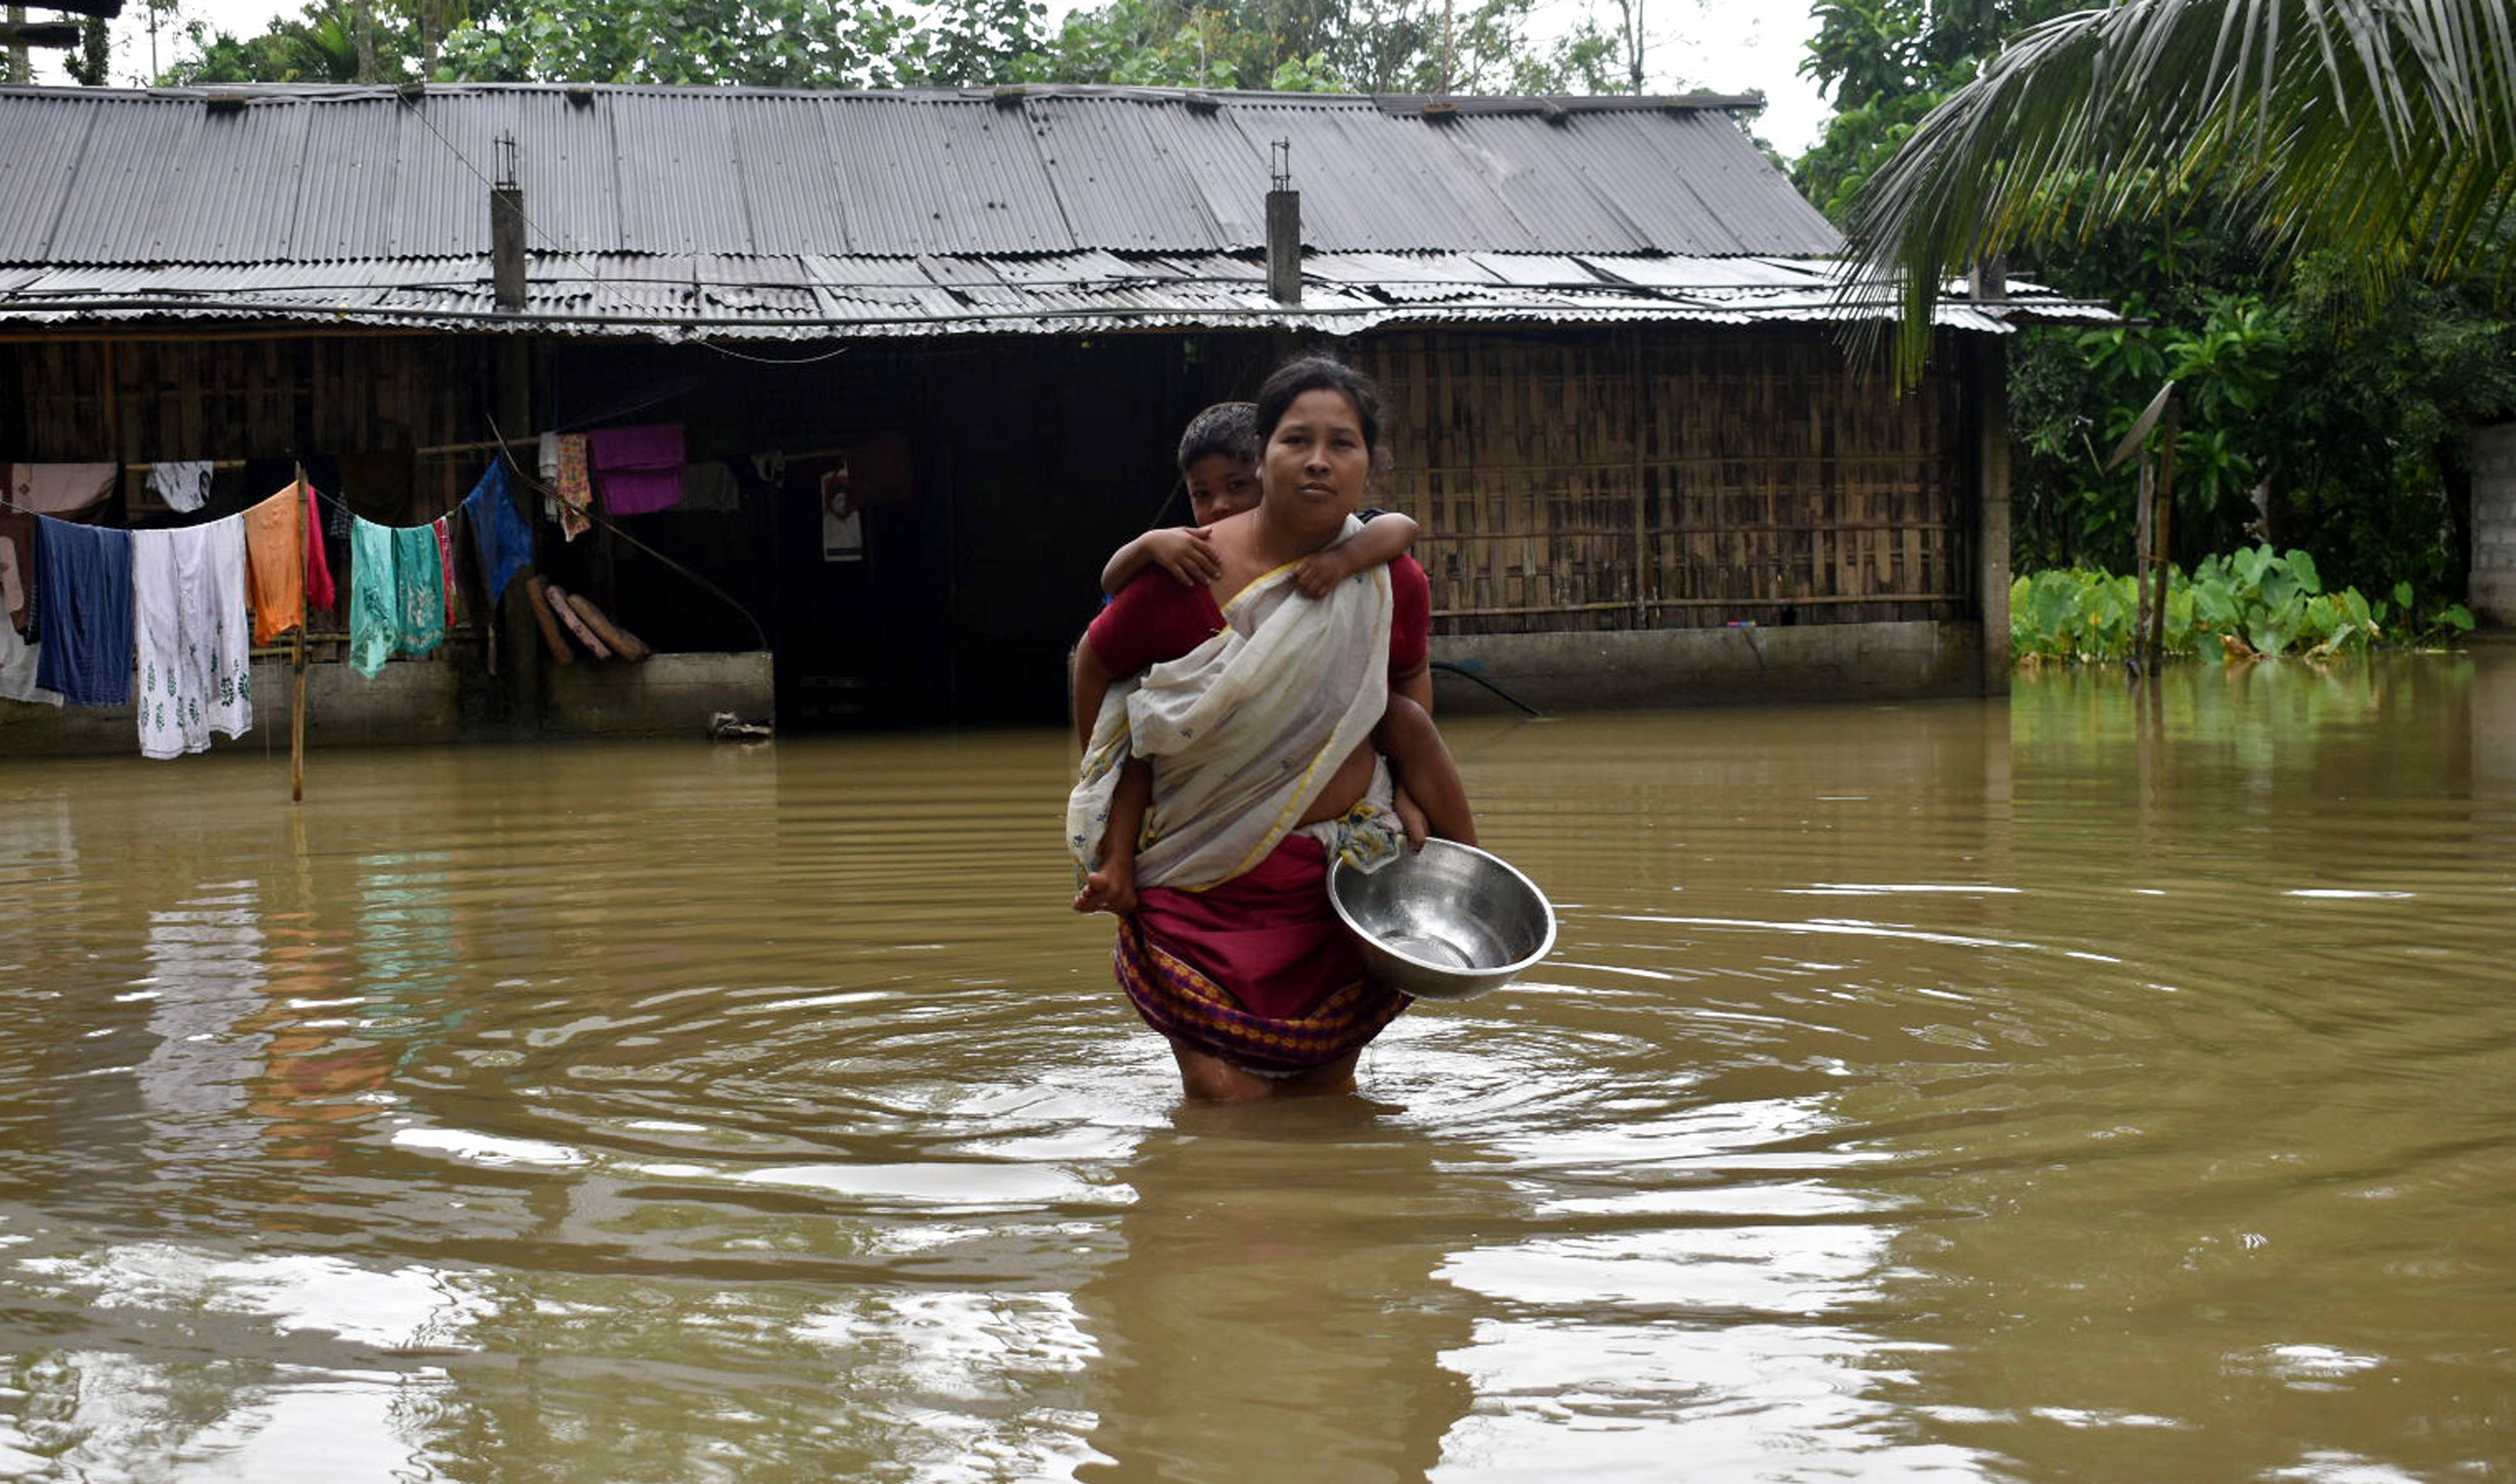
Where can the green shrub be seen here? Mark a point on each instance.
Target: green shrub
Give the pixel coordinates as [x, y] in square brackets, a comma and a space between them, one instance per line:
[2250, 601]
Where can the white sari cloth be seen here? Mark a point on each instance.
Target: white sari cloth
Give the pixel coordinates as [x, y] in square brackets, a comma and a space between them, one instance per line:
[1243, 731]
[194, 637]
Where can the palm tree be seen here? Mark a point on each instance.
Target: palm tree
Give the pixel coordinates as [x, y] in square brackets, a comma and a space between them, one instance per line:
[2385, 130]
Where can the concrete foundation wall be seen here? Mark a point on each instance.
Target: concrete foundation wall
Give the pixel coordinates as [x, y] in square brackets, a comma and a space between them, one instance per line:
[1696, 667]
[667, 693]
[421, 702]
[2494, 524]
[676, 694]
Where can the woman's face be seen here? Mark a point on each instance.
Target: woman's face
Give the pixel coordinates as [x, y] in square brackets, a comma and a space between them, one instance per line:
[1316, 461]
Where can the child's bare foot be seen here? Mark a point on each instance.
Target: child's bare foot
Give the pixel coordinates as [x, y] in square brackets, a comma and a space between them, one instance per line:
[1107, 890]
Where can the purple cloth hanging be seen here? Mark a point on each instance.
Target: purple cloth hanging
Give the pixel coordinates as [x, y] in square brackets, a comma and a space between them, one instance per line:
[637, 470]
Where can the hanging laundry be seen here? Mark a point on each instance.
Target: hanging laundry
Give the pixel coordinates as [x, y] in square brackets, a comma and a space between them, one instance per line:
[419, 590]
[442, 525]
[546, 470]
[500, 535]
[83, 594]
[284, 563]
[19, 661]
[60, 489]
[637, 470]
[183, 483]
[575, 486]
[319, 591]
[17, 566]
[710, 486]
[195, 662]
[372, 599]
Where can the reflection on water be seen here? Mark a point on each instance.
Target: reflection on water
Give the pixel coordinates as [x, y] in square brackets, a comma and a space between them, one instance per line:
[2099, 1087]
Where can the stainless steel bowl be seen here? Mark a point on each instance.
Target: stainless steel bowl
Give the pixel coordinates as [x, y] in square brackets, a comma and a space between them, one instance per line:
[1448, 922]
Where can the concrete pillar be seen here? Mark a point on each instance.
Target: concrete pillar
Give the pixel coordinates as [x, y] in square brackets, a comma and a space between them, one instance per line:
[2494, 524]
[1285, 247]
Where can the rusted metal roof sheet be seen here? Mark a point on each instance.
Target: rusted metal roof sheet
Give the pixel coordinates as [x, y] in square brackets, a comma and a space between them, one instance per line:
[278, 174]
[693, 213]
[824, 295]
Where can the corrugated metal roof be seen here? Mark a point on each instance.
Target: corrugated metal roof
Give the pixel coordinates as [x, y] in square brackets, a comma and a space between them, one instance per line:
[817, 295]
[278, 174]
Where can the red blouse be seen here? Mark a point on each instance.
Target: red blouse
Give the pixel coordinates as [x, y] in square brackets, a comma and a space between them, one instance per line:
[1155, 618]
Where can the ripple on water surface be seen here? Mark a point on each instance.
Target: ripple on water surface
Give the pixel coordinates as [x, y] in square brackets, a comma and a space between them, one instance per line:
[1934, 1092]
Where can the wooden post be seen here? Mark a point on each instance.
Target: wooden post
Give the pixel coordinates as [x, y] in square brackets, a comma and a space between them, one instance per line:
[2144, 558]
[1639, 412]
[2162, 529]
[297, 648]
[1992, 508]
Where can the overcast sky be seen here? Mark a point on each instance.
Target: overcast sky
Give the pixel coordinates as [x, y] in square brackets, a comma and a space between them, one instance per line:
[1722, 46]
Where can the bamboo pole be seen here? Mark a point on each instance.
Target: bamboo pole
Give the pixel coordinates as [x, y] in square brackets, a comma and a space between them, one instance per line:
[2162, 529]
[1636, 419]
[297, 645]
[2144, 557]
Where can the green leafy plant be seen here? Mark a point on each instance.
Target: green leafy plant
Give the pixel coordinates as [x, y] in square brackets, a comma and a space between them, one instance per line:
[2252, 603]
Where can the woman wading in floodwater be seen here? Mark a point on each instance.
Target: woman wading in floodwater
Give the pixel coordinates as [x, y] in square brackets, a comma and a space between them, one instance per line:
[1256, 706]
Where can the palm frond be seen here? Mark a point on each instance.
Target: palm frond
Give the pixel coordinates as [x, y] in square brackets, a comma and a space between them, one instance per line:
[2381, 129]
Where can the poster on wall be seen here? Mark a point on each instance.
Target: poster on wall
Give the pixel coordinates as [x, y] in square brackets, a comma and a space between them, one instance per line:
[842, 524]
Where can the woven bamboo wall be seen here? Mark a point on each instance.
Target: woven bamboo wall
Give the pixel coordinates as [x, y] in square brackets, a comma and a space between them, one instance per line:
[143, 400]
[1670, 477]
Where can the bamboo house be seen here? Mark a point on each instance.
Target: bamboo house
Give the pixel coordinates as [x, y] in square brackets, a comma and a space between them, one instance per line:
[1645, 470]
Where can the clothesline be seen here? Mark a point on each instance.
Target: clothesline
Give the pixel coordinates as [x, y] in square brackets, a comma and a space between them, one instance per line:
[171, 609]
[401, 583]
[334, 500]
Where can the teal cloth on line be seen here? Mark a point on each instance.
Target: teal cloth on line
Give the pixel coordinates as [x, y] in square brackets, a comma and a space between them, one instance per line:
[373, 624]
[419, 590]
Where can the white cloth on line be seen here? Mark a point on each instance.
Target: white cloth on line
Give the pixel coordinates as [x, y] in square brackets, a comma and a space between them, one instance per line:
[18, 660]
[546, 459]
[60, 489]
[183, 483]
[193, 635]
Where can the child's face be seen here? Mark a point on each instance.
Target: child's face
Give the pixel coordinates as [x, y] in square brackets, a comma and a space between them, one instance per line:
[1220, 485]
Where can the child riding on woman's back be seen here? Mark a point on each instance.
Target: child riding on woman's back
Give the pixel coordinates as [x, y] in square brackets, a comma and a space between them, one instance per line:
[1218, 458]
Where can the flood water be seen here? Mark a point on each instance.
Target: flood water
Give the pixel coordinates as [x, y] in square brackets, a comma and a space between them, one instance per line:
[2067, 1089]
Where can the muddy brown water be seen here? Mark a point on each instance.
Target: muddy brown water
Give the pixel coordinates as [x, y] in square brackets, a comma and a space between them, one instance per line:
[2068, 1090]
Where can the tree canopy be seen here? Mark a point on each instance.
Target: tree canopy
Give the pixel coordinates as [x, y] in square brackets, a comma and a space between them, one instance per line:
[1366, 46]
[2380, 131]
[2327, 393]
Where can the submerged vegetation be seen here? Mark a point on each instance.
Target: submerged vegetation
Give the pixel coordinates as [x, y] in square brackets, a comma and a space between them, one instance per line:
[2250, 603]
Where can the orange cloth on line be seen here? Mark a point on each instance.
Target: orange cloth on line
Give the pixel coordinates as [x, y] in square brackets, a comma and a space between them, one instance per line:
[281, 565]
